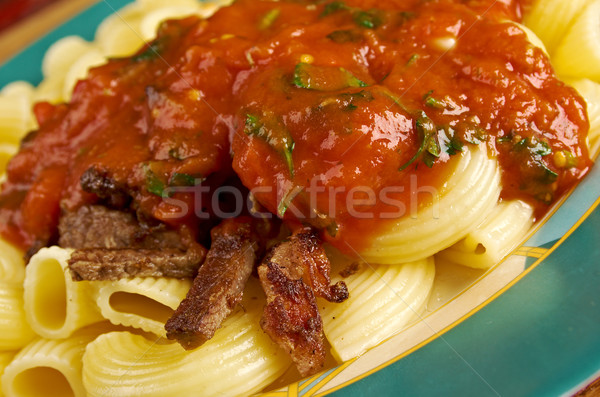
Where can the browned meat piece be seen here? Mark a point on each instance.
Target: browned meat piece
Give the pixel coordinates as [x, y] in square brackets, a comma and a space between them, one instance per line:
[96, 226]
[219, 285]
[112, 244]
[114, 264]
[291, 274]
[111, 192]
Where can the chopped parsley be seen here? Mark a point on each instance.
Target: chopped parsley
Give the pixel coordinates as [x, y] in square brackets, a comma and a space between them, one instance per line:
[273, 132]
[324, 78]
[269, 19]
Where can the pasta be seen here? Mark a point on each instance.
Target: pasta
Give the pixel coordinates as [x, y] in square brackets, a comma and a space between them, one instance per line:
[383, 300]
[578, 54]
[49, 367]
[239, 360]
[14, 330]
[489, 242]
[56, 323]
[145, 303]
[471, 192]
[56, 306]
[12, 266]
[552, 19]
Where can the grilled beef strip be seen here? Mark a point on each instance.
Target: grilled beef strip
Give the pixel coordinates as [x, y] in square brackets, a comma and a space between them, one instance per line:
[219, 285]
[291, 275]
[111, 244]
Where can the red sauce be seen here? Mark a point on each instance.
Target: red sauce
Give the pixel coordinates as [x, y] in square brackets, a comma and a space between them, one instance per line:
[300, 101]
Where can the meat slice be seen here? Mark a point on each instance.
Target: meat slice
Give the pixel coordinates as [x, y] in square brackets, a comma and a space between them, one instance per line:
[98, 264]
[219, 285]
[96, 226]
[291, 275]
[111, 244]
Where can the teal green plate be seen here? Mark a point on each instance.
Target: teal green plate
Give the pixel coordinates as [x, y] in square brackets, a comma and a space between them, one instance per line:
[538, 336]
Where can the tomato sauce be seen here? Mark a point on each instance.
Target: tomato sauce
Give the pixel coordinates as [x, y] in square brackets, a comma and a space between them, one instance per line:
[309, 105]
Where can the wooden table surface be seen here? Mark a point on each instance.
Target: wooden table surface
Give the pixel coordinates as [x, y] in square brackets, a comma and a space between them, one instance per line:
[23, 33]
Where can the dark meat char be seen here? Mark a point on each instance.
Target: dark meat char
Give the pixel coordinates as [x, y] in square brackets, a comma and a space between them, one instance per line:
[291, 275]
[99, 182]
[111, 244]
[219, 285]
[115, 264]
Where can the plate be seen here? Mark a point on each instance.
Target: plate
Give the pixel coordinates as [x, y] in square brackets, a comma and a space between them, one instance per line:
[528, 327]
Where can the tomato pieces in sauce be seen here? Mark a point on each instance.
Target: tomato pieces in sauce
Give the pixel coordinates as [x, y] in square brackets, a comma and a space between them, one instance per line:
[290, 96]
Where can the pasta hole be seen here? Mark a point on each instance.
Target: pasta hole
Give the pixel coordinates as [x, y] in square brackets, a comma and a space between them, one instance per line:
[42, 381]
[50, 296]
[480, 249]
[140, 305]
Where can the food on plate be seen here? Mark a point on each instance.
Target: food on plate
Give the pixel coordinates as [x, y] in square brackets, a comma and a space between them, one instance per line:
[198, 191]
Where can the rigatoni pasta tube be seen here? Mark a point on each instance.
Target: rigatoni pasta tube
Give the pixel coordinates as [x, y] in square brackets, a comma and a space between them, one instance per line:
[551, 19]
[50, 367]
[578, 54]
[145, 303]
[383, 300]
[470, 193]
[488, 243]
[56, 305]
[15, 332]
[590, 91]
[12, 265]
[239, 360]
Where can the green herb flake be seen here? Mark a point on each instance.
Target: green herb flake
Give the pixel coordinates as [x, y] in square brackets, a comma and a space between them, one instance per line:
[413, 59]
[334, 7]
[274, 133]
[154, 184]
[152, 51]
[367, 19]
[180, 179]
[426, 129]
[269, 19]
[433, 102]
[454, 146]
[324, 78]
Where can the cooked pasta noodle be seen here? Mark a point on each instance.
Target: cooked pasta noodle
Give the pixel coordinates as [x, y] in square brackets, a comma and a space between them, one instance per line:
[383, 300]
[15, 118]
[470, 193]
[79, 69]
[12, 266]
[50, 367]
[552, 19]
[591, 92]
[15, 332]
[153, 19]
[578, 54]
[145, 303]
[489, 242]
[56, 306]
[239, 360]
[64, 53]
[119, 34]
